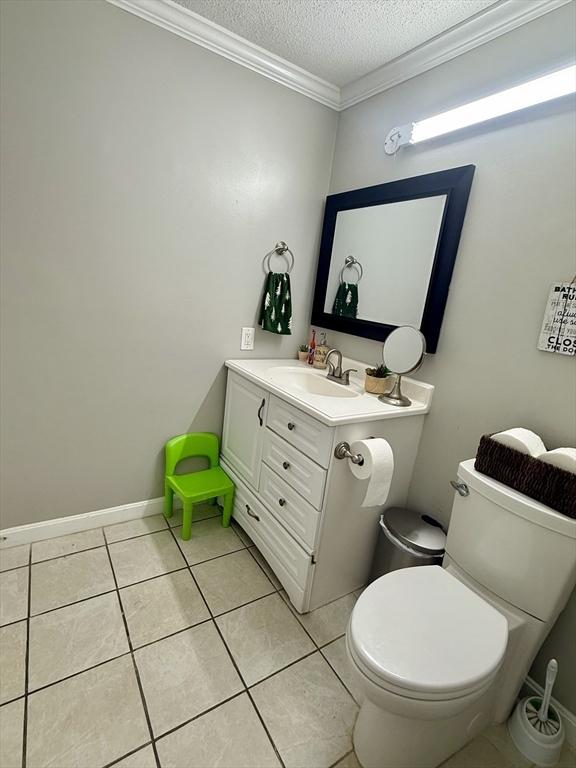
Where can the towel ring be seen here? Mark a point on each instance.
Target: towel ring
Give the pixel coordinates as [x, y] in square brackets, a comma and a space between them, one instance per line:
[351, 263]
[280, 249]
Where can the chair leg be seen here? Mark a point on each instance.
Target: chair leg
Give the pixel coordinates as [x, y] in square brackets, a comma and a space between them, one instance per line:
[228, 506]
[186, 520]
[168, 501]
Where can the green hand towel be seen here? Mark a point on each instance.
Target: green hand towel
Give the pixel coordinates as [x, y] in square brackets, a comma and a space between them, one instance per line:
[346, 301]
[276, 309]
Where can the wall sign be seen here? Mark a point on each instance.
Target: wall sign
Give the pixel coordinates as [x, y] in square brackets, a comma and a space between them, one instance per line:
[558, 333]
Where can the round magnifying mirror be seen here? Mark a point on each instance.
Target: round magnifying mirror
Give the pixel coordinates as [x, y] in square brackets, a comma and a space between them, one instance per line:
[403, 352]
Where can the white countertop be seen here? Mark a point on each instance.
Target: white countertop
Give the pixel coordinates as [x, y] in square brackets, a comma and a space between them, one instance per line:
[334, 410]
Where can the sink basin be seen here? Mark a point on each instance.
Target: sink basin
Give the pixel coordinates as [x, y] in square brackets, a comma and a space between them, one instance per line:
[311, 382]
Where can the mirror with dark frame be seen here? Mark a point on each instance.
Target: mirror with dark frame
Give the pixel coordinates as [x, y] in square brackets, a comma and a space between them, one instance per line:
[387, 254]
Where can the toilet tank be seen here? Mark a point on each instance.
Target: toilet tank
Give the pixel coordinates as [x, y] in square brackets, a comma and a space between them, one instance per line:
[521, 550]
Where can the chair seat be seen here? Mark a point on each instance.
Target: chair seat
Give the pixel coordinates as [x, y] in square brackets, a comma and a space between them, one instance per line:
[201, 486]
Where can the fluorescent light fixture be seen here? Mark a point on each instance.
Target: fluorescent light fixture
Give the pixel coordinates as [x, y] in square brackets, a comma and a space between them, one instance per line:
[553, 86]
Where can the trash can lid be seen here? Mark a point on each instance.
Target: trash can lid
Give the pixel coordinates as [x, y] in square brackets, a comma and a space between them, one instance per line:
[418, 532]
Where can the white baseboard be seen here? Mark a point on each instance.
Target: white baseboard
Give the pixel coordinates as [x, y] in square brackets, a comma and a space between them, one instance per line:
[568, 718]
[60, 526]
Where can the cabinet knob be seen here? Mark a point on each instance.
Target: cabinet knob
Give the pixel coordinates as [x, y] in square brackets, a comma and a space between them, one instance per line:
[286, 465]
[291, 425]
[281, 502]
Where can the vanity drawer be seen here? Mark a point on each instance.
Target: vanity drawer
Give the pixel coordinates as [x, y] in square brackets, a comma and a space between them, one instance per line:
[286, 557]
[299, 516]
[300, 430]
[298, 470]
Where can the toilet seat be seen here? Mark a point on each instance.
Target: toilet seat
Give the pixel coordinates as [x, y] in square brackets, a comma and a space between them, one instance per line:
[421, 633]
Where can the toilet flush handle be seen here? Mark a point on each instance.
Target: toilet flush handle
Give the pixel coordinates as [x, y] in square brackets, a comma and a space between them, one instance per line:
[462, 488]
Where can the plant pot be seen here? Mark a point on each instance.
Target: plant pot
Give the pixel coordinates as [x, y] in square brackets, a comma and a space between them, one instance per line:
[376, 385]
[303, 356]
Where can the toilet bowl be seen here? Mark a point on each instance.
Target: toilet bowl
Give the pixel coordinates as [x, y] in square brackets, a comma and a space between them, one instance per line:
[441, 652]
[424, 650]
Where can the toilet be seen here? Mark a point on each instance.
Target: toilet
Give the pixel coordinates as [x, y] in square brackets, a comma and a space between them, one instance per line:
[441, 652]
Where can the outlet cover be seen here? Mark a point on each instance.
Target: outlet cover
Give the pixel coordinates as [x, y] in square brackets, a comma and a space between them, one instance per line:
[247, 339]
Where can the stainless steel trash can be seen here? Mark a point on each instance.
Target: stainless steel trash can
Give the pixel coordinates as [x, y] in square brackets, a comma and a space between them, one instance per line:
[406, 539]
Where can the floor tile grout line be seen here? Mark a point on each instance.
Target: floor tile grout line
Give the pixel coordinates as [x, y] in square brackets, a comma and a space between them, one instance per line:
[139, 647]
[97, 546]
[185, 567]
[16, 568]
[337, 762]
[172, 634]
[11, 701]
[152, 533]
[77, 674]
[65, 554]
[127, 754]
[243, 605]
[190, 567]
[136, 583]
[282, 669]
[75, 602]
[262, 568]
[229, 652]
[212, 617]
[261, 718]
[246, 689]
[175, 728]
[134, 665]
[295, 614]
[338, 676]
[274, 747]
[216, 557]
[16, 621]
[27, 665]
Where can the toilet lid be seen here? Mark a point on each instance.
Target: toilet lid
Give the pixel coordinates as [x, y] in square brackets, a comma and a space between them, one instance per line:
[423, 630]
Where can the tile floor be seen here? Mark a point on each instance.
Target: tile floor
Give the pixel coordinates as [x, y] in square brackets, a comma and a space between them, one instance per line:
[127, 647]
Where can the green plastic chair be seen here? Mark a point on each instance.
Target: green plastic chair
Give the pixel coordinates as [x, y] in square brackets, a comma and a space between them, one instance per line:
[195, 487]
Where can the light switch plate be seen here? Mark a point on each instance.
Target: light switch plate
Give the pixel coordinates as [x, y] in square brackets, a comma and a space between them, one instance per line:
[247, 339]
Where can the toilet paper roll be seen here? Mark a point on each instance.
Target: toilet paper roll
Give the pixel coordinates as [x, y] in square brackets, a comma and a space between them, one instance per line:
[564, 458]
[522, 440]
[378, 468]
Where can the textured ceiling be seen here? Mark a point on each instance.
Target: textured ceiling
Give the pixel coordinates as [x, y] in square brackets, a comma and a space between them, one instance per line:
[338, 40]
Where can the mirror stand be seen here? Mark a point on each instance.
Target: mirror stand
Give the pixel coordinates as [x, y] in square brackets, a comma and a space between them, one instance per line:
[395, 396]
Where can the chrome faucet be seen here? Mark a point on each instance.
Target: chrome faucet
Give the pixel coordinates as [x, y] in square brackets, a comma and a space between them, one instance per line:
[335, 372]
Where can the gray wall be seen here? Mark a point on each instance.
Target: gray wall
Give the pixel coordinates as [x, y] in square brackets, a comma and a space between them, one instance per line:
[144, 179]
[519, 236]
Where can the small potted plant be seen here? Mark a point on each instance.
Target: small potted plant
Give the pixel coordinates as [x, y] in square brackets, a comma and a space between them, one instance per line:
[303, 353]
[376, 380]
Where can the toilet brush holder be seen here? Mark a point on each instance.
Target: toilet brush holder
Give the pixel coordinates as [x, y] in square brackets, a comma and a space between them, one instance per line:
[539, 747]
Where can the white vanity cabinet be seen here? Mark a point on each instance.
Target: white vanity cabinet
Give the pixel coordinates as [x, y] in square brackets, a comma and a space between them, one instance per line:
[299, 504]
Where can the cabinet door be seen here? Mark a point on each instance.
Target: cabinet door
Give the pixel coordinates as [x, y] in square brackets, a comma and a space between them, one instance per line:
[244, 420]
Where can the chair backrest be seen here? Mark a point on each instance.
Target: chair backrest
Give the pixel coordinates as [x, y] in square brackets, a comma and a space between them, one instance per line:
[193, 444]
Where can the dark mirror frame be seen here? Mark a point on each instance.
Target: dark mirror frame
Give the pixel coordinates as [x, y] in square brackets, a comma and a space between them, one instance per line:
[455, 183]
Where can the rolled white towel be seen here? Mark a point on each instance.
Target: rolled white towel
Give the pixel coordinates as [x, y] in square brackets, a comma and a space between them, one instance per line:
[522, 440]
[564, 458]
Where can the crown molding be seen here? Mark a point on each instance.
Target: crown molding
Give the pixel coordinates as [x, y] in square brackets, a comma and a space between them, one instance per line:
[485, 26]
[179, 20]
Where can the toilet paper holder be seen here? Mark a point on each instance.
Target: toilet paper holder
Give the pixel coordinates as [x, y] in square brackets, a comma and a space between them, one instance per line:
[342, 451]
